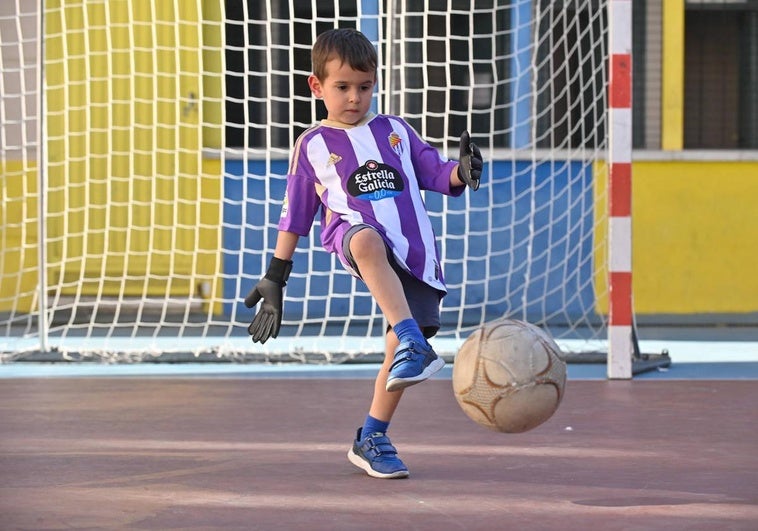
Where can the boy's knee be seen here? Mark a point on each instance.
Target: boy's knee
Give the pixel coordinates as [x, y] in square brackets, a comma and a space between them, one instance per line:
[367, 244]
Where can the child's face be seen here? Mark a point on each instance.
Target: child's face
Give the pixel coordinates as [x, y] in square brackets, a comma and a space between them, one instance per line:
[346, 92]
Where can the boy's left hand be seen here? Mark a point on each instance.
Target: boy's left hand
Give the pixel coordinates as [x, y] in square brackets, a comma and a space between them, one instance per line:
[470, 163]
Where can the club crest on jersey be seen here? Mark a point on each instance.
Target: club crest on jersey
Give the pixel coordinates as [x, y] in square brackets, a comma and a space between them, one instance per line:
[374, 181]
[396, 143]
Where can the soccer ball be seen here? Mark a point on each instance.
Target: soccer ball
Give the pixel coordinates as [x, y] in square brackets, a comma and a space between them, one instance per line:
[508, 376]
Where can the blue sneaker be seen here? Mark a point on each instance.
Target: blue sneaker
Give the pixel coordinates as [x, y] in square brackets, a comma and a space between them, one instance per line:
[413, 363]
[376, 456]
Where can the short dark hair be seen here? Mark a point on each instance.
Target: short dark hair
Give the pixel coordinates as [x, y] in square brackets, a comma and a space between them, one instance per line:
[347, 44]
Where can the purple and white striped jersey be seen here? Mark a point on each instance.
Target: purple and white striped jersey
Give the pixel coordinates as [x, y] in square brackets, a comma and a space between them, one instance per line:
[371, 173]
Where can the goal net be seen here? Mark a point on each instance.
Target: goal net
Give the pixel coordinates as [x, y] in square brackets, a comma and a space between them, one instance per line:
[145, 149]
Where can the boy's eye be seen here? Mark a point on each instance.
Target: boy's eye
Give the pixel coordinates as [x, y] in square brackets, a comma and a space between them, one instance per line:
[362, 88]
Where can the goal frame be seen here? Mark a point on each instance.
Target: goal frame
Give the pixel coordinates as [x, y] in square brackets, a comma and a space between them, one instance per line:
[622, 350]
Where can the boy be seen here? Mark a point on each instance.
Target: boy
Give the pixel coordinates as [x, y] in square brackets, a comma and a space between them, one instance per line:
[365, 172]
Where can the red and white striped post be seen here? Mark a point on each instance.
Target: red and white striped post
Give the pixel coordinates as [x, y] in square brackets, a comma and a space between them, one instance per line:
[620, 340]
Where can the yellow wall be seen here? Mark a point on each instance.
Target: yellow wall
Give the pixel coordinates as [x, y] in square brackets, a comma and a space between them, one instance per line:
[19, 239]
[213, 78]
[695, 237]
[672, 76]
[128, 194]
[126, 176]
[18, 235]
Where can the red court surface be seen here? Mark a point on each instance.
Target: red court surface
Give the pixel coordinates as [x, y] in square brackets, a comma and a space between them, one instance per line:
[246, 453]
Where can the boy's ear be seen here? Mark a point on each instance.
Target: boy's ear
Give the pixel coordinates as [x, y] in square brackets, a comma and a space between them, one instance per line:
[315, 86]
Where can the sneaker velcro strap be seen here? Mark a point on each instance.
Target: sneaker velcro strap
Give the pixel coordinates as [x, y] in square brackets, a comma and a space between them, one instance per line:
[401, 358]
[378, 446]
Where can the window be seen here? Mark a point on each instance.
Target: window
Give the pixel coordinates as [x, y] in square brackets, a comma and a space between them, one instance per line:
[267, 57]
[440, 59]
[721, 76]
[570, 75]
[267, 53]
[268, 102]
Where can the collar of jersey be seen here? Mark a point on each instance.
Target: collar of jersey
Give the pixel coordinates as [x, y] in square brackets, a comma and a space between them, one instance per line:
[363, 121]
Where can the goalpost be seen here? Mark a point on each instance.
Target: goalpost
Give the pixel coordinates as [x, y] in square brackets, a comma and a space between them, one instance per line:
[143, 178]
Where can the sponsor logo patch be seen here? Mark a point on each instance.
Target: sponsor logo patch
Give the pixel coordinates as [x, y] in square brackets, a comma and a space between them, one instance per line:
[374, 181]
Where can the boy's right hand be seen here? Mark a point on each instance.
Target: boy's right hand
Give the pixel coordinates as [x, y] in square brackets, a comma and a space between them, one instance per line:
[268, 318]
[270, 289]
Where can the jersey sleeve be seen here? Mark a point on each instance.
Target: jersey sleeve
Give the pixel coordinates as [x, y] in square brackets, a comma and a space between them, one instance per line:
[432, 168]
[301, 200]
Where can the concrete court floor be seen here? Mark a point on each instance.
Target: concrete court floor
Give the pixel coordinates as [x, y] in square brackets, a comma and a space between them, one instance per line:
[253, 449]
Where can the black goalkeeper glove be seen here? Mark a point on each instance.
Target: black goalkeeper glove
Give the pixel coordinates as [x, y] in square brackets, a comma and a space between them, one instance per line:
[268, 319]
[470, 163]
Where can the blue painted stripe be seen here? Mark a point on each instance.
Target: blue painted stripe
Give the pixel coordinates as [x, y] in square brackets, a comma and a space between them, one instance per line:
[528, 254]
[677, 371]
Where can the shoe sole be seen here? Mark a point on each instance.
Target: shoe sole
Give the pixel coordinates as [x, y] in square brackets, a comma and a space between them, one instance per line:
[396, 384]
[363, 465]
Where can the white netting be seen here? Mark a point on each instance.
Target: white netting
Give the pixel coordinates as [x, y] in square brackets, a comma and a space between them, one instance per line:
[167, 128]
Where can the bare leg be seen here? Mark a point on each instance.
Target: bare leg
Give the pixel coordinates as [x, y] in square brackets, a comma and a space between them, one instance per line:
[384, 403]
[370, 254]
[374, 453]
